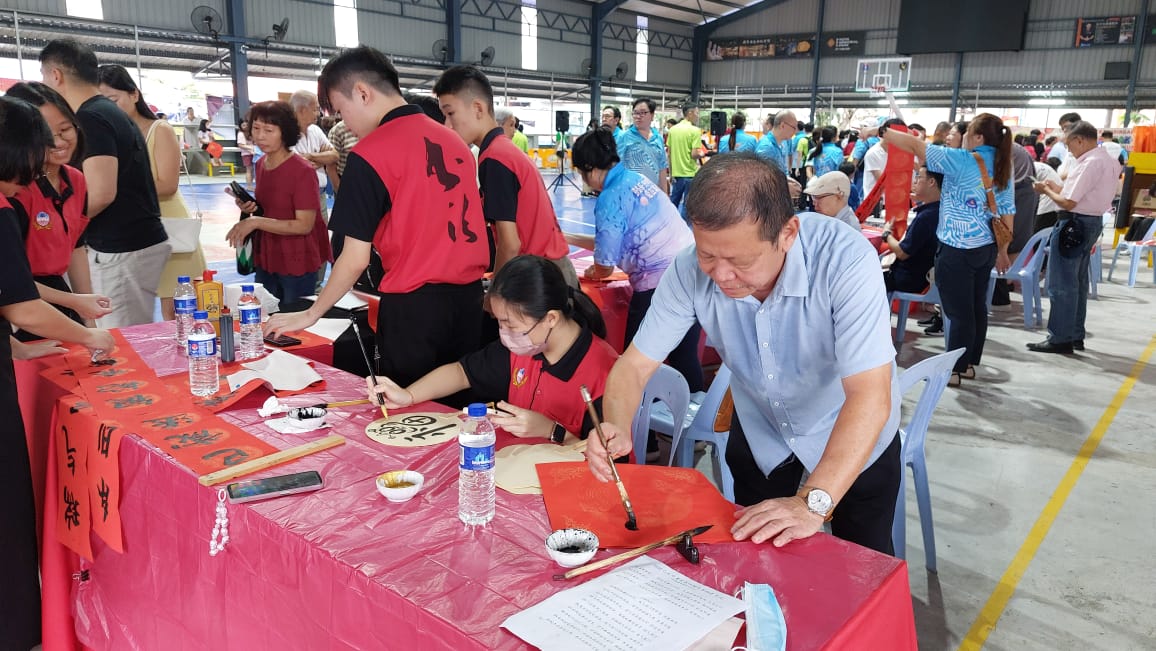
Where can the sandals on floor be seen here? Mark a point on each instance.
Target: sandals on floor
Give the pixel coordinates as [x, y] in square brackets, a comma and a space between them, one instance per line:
[955, 380]
[969, 374]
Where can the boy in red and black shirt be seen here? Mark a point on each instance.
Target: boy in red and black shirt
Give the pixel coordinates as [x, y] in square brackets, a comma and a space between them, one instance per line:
[409, 192]
[514, 200]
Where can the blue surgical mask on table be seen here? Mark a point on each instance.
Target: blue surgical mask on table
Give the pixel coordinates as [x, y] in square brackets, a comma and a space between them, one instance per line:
[519, 343]
[766, 627]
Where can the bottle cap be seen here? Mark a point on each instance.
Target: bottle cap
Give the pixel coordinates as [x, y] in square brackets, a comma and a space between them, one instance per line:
[201, 315]
[208, 274]
[476, 410]
[182, 280]
[246, 289]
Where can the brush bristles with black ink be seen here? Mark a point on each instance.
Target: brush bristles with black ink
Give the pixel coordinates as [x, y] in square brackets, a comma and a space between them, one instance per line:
[631, 521]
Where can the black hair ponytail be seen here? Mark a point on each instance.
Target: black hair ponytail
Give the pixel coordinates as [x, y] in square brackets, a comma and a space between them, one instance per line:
[586, 313]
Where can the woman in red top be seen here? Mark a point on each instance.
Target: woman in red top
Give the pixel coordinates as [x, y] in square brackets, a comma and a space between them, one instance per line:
[53, 220]
[550, 344]
[290, 242]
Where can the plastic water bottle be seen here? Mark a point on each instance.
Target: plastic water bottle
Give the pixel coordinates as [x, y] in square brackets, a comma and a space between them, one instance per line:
[252, 339]
[202, 347]
[476, 467]
[184, 304]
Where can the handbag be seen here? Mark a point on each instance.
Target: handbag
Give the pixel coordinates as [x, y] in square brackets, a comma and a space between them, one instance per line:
[1070, 236]
[184, 233]
[999, 230]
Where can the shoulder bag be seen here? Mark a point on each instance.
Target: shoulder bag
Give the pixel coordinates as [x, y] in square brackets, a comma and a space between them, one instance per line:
[999, 230]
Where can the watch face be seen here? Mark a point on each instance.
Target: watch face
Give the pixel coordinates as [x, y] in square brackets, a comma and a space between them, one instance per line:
[818, 501]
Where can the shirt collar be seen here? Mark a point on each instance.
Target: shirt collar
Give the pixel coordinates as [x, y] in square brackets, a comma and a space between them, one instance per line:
[567, 366]
[401, 111]
[494, 133]
[793, 278]
[926, 207]
[50, 192]
[612, 176]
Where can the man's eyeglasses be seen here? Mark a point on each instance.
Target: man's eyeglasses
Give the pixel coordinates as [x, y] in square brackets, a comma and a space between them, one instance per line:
[640, 114]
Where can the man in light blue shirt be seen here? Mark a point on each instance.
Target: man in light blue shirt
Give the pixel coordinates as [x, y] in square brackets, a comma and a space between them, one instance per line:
[776, 140]
[795, 305]
[641, 148]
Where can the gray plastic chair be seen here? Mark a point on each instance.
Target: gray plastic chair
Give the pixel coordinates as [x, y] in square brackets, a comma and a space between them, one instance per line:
[698, 425]
[1027, 270]
[935, 371]
[670, 389]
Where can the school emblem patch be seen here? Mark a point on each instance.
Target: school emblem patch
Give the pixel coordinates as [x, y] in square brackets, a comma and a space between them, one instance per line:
[43, 220]
[519, 377]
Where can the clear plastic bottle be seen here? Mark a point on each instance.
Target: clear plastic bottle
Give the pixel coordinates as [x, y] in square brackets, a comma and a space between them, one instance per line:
[184, 304]
[476, 467]
[252, 342]
[202, 350]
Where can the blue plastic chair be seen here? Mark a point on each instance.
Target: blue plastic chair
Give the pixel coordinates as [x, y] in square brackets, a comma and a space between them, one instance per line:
[905, 300]
[670, 389]
[1096, 273]
[698, 425]
[935, 371]
[1138, 251]
[1027, 271]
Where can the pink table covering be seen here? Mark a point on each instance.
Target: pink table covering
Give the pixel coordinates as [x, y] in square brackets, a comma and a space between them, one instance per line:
[344, 569]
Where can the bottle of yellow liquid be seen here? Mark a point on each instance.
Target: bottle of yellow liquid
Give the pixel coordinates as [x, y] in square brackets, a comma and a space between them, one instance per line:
[210, 298]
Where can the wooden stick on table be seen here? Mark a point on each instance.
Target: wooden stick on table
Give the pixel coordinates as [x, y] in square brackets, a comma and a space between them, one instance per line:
[268, 461]
[625, 556]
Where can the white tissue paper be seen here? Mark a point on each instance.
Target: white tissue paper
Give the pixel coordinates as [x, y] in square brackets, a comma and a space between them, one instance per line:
[288, 425]
[269, 302]
[279, 370]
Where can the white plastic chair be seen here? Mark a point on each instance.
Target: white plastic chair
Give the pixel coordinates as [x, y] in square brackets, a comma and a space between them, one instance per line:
[698, 425]
[905, 300]
[670, 389]
[935, 371]
[1027, 271]
[1137, 251]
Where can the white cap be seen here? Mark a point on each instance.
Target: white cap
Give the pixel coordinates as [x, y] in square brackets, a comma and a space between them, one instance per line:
[829, 183]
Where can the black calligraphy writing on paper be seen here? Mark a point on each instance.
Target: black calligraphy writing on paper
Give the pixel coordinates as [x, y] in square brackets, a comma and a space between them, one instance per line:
[78, 406]
[104, 490]
[71, 451]
[112, 372]
[132, 401]
[172, 421]
[71, 509]
[195, 438]
[104, 439]
[216, 400]
[232, 456]
[413, 428]
[121, 387]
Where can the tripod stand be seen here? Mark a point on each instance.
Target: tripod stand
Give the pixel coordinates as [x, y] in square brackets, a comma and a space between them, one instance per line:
[557, 182]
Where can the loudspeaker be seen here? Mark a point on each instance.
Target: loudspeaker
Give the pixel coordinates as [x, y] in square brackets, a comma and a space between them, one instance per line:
[718, 123]
[1118, 70]
[562, 121]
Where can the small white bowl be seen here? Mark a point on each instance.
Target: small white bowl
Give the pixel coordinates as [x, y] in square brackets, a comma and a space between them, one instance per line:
[572, 547]
[307, 417]
[392, 484]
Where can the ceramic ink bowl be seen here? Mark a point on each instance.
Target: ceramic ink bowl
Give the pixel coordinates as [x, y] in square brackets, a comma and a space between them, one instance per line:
[572, 547]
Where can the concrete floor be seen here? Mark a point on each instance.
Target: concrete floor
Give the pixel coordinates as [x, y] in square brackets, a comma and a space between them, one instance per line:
[998, 449]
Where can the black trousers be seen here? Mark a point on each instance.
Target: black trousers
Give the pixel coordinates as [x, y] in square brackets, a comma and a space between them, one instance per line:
[684, 358]
[962, 275]
[421, 330]
[864, 515]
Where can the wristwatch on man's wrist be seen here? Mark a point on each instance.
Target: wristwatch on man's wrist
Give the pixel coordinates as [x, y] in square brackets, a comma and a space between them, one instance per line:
[818, 502]
[558, 435]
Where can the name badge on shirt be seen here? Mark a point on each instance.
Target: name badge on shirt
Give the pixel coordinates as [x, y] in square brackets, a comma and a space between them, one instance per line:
[43, 221]
[519, 377]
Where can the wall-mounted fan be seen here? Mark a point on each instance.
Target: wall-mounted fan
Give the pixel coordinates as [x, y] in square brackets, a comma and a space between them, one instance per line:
[280, 30]
[621, 71]
[207, 21]
[441, 51]
[487, 56]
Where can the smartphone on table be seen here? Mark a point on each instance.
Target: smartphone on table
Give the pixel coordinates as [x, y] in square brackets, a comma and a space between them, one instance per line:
[262, 489]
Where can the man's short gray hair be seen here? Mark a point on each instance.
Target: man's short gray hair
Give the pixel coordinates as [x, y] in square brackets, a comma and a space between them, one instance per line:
[1083, 129]
[503, 114]
[302, 99]
[782, 116]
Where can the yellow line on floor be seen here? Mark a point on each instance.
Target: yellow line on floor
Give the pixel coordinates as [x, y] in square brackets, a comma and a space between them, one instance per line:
[988, 617]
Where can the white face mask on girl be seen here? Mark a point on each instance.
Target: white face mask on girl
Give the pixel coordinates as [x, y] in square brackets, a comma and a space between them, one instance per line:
[519, 343]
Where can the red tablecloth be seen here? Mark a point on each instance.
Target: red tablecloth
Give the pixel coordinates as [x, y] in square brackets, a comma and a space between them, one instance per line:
[344, 569]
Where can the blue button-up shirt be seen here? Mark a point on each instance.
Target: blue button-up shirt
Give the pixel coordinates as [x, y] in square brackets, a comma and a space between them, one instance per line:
[964, 218]
[637, 228]
[743, 142]
[826, 319]
[776, 152]
[647, 157]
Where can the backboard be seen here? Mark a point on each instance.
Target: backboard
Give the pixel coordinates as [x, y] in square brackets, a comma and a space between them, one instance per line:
[883, 75]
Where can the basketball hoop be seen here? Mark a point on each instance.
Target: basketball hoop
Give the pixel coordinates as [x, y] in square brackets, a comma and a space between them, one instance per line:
[879, 91]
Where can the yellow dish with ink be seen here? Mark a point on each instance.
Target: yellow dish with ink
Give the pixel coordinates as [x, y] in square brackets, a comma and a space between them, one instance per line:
[399, 485]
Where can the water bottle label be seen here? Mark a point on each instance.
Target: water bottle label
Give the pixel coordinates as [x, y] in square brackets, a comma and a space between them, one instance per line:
[250, 315]
[202, 347]
[185, 305]
[476, 458]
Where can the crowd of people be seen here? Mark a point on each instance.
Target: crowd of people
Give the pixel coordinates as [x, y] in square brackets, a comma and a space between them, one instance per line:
[712, 239]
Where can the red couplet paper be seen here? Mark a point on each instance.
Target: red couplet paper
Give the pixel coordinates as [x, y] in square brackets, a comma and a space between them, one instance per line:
[201, 441]
[666, 501]
[74, 523]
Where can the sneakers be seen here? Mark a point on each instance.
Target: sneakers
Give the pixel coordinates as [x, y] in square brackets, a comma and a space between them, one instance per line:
[935, 329]
[930, 321]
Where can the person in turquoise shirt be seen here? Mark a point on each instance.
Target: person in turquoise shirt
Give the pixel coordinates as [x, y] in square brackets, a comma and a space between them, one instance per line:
[967, 248]
[826, 157]
[737, 140]
[775, 143]
[641, 147]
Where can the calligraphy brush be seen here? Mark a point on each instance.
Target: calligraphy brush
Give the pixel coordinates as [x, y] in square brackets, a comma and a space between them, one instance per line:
[625, 556]
[368, 364]
[631, 521]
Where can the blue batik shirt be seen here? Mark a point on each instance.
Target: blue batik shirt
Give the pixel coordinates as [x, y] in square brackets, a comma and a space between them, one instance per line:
[964, 218]
[637, 228]
[770, 149]
[829, 160]
[861, 147]
[743, 142]
[647, 157]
